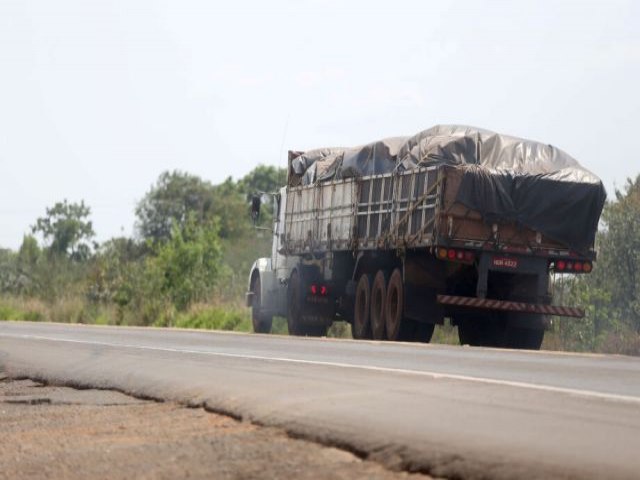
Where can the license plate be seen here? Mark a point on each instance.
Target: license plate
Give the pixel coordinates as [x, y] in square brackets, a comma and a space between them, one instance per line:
[504, 262]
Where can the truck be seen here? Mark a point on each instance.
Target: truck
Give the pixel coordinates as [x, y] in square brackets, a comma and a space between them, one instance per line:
[398, 235]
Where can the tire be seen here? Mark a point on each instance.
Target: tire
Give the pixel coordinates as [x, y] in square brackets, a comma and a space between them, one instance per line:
[294, 304]
[261, 323]
[471, 331]
[493, 330]
[361, 327]
[314, 331]
[524, 338]
[378, 305]
[394, 308]
[294, 310]
[418, 331]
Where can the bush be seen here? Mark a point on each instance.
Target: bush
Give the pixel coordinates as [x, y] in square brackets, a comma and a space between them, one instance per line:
[215, 318]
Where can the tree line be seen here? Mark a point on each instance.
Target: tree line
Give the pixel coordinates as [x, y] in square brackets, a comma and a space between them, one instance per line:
[192, 239]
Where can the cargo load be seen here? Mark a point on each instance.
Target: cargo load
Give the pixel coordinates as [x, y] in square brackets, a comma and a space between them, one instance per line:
[506, 179]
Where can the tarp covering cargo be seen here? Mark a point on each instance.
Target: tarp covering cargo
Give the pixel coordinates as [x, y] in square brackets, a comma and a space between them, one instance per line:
[506, 179]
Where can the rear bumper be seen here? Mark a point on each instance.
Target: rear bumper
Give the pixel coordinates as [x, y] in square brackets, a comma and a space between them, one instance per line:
[505, 305]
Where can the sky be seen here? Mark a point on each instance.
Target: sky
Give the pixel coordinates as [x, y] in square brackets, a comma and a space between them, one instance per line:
[98, 98]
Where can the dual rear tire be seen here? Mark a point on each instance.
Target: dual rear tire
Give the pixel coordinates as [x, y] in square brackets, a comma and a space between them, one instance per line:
[495, 330]
[379, 310]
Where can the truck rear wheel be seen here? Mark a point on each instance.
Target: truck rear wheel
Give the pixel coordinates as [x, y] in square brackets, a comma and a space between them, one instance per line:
[493, 330]
[261, 322]
[295, 305]
[361, 327]
[378, 304]
[415, 331]
[395, 323]
[524, 338]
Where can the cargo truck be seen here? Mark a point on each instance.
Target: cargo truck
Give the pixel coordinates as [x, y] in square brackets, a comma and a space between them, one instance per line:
[453, 223]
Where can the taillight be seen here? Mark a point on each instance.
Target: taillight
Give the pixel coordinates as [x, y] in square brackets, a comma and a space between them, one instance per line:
[465, 256]
[570, 266]
[322, 290]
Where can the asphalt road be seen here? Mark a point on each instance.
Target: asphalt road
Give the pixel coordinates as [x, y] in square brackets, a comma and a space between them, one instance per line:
[455, 412]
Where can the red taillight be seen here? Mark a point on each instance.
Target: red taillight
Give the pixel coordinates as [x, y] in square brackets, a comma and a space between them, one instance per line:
[314, 289]
[561, 265]
[468, 256]
[324, 290]
[577, 267]
[451, 254]
[587, 267]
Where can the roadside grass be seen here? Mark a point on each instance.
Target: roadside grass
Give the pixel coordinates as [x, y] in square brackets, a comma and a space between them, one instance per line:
[234, 316]
[218, 317]
[17, 308]
[446, 334]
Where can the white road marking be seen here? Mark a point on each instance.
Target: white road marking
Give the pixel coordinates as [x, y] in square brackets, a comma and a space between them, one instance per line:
[423, 373]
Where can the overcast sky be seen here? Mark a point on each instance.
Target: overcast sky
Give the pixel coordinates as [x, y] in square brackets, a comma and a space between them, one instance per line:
[97, 98]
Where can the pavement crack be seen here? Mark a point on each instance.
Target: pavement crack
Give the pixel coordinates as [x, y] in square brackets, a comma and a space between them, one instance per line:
[28, 401]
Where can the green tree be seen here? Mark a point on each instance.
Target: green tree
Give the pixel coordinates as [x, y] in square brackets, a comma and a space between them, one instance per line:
[189, 263]
[618, 268]
[68, 229]
[29, 252]
[260, 181]
[171, 201]
[231, 209]
[178, 196]
[263, 178]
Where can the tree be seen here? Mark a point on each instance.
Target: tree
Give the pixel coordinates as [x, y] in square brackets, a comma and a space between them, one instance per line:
[177, 196]
[29, 252]
[231, 209]
[189, 263]
[263, 178]
[174, 198]
[68, 228]
[618, 268]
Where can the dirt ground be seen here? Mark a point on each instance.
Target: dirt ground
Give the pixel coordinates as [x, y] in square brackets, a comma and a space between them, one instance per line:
[51, 432]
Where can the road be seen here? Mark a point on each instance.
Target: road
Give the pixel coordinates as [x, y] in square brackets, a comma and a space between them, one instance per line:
[452, 412]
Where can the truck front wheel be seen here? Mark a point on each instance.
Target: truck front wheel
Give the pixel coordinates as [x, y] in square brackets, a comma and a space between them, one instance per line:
[261, 322]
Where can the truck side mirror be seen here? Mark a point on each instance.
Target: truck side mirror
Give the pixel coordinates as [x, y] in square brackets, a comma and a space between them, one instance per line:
[255, 208]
